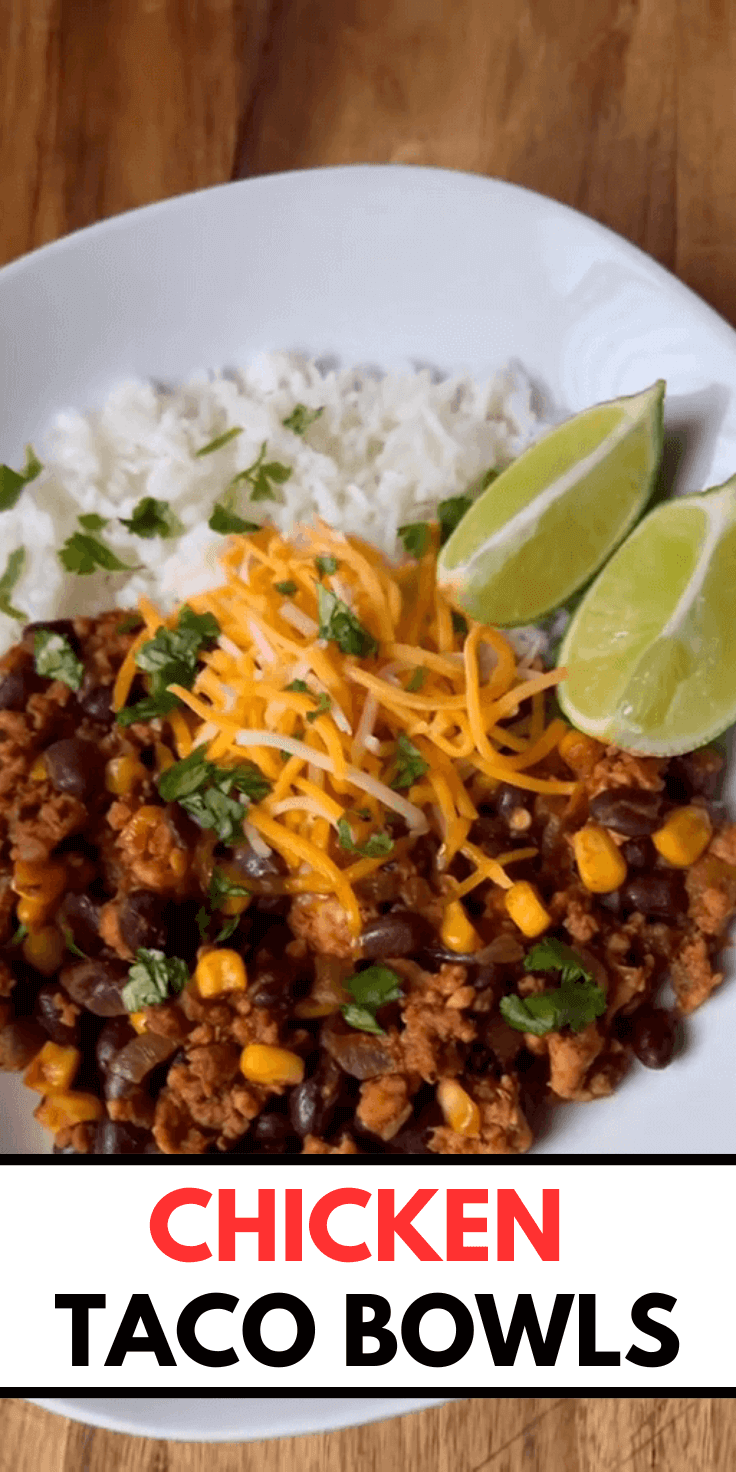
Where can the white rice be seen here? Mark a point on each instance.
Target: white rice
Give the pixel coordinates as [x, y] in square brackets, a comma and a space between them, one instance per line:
[384, 451]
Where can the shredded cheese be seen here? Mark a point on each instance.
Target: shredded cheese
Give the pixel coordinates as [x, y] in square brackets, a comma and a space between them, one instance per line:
[333, 749]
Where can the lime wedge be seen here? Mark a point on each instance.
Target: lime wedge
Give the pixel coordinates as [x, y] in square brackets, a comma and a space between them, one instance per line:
[549, 521]
[650, 652]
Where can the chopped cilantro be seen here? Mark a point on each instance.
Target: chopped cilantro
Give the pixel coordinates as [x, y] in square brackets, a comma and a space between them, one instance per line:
[321, 708]
[83, 554]
[300, 418]
[576, 1002]
[223, 888]
[374, 848]
[370, 989]
[55, 659]
[287, 588]
[18, 935]
[13, 569]
[261, 476]
[12, 482]
[153, 978]
[224, 520]
[417, 680]
[170, 658]
[409, 764]
[204, 791]
[227, 929]
[203, 922]
[152, 518]
[218, 442]
[338, 623]
[92, 522]
[299, 687]
[71, 944]
[459, 624]
[326, 565]
[416, 538]
[482, 481]
[450, 513]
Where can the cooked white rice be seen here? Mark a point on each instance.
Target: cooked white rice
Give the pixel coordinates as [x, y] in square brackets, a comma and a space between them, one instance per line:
[385, 450]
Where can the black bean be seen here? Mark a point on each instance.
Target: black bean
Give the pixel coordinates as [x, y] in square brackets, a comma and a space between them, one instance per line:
[413, 1139]
[80, 914]
[142, 920]
[637, 853]
[48, 1015]
[96, 702]
[269, 1133]
[14, 690]
[116, 1032]
[311, 1103]
[611, 901]
[628, 810]
[506, 800]
[490, 833]
[114, 1138]
[654, 1036]
[424, 855]
[182, 930]
[359, 1054]
[696, 772]
[73, 766]
[97, 985]
[480, 1060]
[399, 933]
[20, 1041]
[661, 894]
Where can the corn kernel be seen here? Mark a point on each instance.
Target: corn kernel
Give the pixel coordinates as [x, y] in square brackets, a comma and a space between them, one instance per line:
[684, 837]
[53, 1070]
[220, 971]
[457, 932]
[261, 1064]
[138, 1021]
[38, 770]
[61, 1111]
[45, 882]
[32, 913]
[460, 1112]
[526, 909]
[44, 949]
[601, 865]
[122, 773]
[579, 752]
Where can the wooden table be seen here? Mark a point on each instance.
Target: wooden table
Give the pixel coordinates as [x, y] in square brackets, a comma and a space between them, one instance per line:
[624, 108]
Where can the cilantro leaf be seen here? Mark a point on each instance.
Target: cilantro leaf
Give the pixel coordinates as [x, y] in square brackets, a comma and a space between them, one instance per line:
[92, 522]
[482, 481]
[55, 659]
[416, 537]
[203, 922]
[287, 589]
[224, 520]
[218, 442]
[338, 623]
[18, 935]
[215, 809]
[299, 687]
[417, 679]
[13, 569]
[130, 624]
[321, 708]
[184, 777]
[12, 482]
[204, 791]
[409, 764]
[375, 847]
[451, 513]
[71, 944]
[83, 554]
[152, 518]
[170, 658]
[553, 955]
[370, 989]
[222, 888]
[227, 929]
[261, 477]
[326, 565]
[575, 1003]
[153, 978]
[300, 418]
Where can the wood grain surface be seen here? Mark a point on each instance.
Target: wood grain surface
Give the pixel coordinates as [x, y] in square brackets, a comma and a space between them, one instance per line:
[623, 108]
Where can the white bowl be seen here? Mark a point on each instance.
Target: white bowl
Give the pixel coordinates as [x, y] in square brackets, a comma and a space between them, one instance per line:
[382, 265]
[234, 1418]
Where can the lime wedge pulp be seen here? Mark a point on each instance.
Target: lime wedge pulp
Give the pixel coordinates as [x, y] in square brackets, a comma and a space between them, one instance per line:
[651, 652]
[549, 521]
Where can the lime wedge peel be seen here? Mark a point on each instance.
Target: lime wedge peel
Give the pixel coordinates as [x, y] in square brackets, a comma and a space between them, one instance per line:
[549, 521]
[651, 651]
